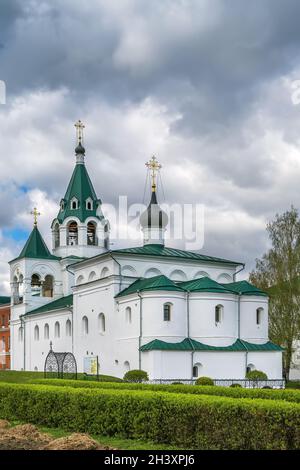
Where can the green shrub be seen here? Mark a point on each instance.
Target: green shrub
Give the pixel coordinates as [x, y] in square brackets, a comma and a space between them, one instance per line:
[176, 383]
[169, 418]
[256, 375]
[239, 392]
[204, 381]
[136, 376]
[293, 384]
[235, 386]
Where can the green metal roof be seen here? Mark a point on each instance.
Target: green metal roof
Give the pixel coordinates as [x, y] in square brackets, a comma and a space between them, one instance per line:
[152, 283]
[81, 187]
[189, 344]
[162, 251]
[36, 247]
[4, 300]
[204, 284]
[58, 304]
[245, 288]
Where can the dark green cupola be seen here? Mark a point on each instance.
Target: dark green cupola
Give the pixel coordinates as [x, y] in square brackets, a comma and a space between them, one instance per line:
[35, 247]
[80, 200]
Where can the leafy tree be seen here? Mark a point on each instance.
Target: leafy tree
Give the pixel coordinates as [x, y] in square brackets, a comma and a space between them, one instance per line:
[278, 273]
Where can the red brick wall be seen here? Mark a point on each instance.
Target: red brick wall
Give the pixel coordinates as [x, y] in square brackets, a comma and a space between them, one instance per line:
[4, 337]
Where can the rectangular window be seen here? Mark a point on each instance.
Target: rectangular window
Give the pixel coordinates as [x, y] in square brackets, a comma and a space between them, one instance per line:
[167, 312]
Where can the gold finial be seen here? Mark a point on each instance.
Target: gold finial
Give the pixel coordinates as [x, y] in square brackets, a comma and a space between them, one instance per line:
[79, 131]
[154, 167]
[35, 214]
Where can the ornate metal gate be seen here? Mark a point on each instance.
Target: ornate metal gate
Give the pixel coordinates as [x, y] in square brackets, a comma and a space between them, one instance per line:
[60, 365]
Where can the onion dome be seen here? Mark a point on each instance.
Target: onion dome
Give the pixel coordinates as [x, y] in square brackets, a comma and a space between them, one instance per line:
[154, 216]
[80, 150]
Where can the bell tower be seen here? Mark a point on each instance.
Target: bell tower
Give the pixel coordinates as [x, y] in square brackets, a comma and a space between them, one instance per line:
[80, 228]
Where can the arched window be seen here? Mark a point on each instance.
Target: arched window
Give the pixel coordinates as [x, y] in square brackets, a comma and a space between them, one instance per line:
[72, 236]
[36, 333]
[250, 367]
[48, 286]
[126, 366]
[35, 285]
[167, 311]
[74, 203]
[57, 330]
[106, 236]
[68, 328]
[15, 289]
[128, 315]
[21, 288]
[89, 205]
[218, 314]
[259, 315]
[196, 369]
[46, 331]
[20, 334]
[56, 236]
[91, 234]
[36, 369]
[101, 323]
[85, 326]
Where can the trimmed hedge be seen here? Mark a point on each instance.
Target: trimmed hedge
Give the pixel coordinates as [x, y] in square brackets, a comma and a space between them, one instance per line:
[232, 392]
[100, 378]
[182, 420]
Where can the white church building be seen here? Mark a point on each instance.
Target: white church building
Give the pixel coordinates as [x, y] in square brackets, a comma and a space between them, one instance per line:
[173, 313]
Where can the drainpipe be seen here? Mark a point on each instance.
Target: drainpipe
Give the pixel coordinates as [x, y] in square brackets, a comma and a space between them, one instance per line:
[24, 339]
[72, 325]
[192, 365]
[239, 315]
[240, 270]
[141, 330]
[246, 358]
[188, 328]
[188, 313]
[120, 272]
[239, 305]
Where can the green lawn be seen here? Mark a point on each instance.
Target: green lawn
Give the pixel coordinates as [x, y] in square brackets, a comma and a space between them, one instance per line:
[16, 376]
[19, 376]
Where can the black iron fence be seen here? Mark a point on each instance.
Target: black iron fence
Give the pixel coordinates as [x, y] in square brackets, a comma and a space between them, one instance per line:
[245, 383]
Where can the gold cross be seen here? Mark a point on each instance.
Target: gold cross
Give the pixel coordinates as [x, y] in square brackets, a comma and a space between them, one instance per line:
[154, 167]
[79, 131]
[35, 214]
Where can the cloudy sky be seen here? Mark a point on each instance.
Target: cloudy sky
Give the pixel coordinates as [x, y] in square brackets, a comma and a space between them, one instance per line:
[206, 85]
